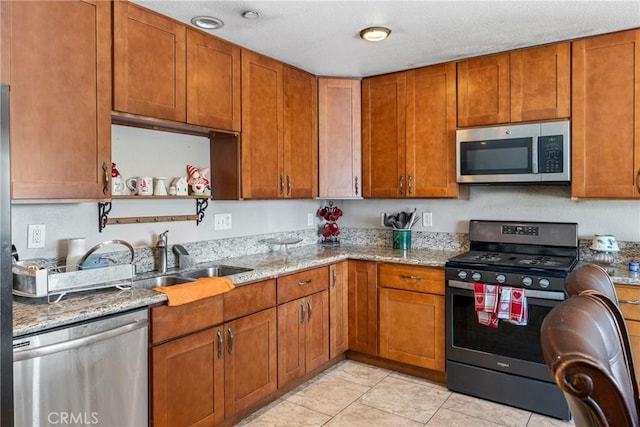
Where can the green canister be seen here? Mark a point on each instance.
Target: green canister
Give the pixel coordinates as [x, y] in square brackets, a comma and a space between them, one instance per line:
[402, 239]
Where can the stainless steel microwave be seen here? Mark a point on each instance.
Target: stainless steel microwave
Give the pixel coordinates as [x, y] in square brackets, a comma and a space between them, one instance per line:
[521, 153]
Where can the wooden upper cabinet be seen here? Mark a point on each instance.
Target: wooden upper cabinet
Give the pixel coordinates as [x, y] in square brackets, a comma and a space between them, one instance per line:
[149, 63]
[383, 135]
[605, 116]
[300, 163]
[339, 138]
[60, 97]
[213, 82]
[483, 90]
[262, 123]
[541, 83]
[431, 132]
[524, 85]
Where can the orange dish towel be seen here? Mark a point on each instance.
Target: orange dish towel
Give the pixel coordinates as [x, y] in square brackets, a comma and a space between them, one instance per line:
[194, 291]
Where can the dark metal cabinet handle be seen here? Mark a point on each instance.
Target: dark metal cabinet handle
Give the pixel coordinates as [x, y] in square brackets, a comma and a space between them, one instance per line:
[402, 185]
[638, 181]
[230, 349]
[357, 190]
[634, 302]
[302, 311]
[288, 185]
[105, 168]
[410, 184]
[310, 309]
[335, 276]
[406, 276]
[220, 344]
[281, 185]
[305, 282]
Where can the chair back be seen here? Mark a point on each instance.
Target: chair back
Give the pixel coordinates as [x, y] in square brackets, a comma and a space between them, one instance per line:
[590, 277]
[583, 347]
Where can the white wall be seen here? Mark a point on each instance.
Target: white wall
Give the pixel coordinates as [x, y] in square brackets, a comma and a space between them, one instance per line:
[134, 148]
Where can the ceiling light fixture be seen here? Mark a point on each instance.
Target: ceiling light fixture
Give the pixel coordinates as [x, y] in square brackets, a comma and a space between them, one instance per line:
[250, 14]
[207, 22]
[375, 34]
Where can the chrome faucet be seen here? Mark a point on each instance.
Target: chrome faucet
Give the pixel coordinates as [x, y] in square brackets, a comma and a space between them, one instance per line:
[161, 248]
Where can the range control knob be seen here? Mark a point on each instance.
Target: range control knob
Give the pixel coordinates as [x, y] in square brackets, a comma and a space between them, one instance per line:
[501, 278]
[544, 283]
[462, 274]
[476, 276]
[527, 281]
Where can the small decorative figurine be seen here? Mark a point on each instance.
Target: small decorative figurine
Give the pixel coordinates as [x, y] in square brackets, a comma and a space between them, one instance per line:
[330, 230]
[182, 188]
[115, 173]
[197, 179]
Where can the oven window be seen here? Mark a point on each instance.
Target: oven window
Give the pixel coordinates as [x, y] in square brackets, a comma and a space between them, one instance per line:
[507, 340]
[493, 157]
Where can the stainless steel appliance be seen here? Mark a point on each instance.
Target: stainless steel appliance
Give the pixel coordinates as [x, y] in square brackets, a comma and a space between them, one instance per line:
[505, 364]
[92, 373]
[524, 153]
[6, 299]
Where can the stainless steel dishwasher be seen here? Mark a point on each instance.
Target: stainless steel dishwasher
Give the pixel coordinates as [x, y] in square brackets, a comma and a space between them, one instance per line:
[91, 373]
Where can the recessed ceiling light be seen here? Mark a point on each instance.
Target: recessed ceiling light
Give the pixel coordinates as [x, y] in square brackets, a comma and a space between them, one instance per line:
[375, 34]
[207, 22]
[250, 14]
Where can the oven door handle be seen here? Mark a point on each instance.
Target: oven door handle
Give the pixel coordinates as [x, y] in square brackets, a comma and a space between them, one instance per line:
[531, 293]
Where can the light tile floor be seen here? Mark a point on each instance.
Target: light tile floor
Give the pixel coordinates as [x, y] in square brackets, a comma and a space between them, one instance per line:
[356, 394]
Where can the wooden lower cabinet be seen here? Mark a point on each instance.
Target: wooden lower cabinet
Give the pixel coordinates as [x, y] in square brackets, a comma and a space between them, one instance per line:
[412, 328]
[303, 336]
[338, 308]
[188, 381]
[629, 301]
[363, 307]
[250, 372]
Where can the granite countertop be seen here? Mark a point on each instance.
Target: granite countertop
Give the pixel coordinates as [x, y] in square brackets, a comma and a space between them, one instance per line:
[35, 315]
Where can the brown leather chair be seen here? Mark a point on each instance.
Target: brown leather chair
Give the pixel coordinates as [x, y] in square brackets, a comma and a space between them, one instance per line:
[590, 277]
[584, 349]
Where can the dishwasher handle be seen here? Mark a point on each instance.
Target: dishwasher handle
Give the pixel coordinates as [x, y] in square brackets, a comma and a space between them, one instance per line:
[20, 355]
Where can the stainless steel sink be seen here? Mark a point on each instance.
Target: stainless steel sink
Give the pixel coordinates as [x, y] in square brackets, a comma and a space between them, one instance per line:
[154, 282]
[215, 271]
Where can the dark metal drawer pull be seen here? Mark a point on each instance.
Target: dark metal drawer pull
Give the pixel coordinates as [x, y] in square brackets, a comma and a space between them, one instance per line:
[635, 302]
[220, 344]
[305, 282]
[406, 276]
[301, 312]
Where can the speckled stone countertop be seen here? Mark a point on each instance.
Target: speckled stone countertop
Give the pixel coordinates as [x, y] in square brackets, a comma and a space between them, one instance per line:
[35, 315]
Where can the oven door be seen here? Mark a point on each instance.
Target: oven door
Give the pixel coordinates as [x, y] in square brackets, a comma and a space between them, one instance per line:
[508, 348]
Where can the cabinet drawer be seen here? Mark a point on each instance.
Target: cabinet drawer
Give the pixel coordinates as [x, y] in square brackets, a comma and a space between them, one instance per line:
[301, 284]
[411, 278]
[248, 299]
[170, 322]
[627, 296]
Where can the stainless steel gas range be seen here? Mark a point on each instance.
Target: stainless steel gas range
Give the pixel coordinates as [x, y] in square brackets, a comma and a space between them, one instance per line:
[503, 362]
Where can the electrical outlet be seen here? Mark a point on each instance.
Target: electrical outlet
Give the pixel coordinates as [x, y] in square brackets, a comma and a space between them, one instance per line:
[222, 222]
[427, 219]
[35, 236]
[310, 219]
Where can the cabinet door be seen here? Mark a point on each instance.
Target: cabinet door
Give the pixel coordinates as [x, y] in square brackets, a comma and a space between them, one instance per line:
[431, 132]
[383, 135]
[541, 83]
[412, 328]
[483, 90]
[363, 307]
[250, 366]
[262, 122]
[291, 340]
[187, 383]
[317, 330]
[148, 63]
[339, 138]
[633, 328]
[339, 309]
[213, 82]
[605, 116]
[60, 97]
[300, 166]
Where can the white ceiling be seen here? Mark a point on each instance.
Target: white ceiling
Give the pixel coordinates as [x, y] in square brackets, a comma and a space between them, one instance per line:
[322, 36]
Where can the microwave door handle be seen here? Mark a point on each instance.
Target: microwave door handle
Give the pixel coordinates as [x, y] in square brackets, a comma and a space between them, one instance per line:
[534, 153]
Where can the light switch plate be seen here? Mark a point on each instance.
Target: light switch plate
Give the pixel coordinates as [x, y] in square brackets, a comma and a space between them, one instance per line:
[222, 222]
[427, 219]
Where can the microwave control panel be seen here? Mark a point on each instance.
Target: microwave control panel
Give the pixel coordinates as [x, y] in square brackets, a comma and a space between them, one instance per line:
[550, 154]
